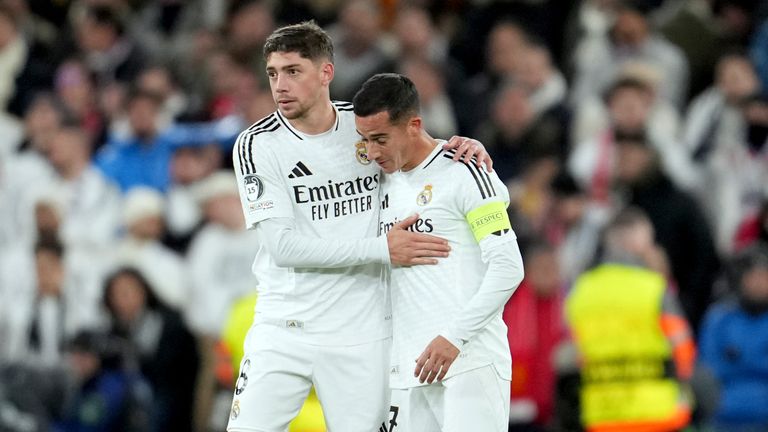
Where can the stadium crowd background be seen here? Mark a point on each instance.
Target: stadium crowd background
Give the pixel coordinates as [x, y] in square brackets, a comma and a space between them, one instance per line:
[122, 253]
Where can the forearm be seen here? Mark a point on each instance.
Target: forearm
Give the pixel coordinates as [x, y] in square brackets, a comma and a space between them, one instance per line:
[504, 274]
[289, 248]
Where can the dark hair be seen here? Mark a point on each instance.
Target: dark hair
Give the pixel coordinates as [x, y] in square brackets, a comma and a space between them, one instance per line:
[564, 185]
[106, 16]
[307, 39]
[153, 302]
[390, 92]
[135, 93]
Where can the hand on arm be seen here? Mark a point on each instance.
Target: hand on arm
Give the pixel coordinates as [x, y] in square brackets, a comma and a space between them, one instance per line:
[412, 248]
[466, 148]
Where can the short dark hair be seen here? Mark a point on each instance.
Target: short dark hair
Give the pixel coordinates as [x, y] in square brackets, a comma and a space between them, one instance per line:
[390, 92]
[625, 83]
[307, 39]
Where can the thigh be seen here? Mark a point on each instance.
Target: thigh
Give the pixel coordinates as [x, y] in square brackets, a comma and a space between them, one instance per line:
[410, 411]
[476, 400]
[352, 383]
[273, 383]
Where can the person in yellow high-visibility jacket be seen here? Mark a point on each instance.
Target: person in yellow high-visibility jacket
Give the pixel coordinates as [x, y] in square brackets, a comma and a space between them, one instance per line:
[310, 418]
[635, 347]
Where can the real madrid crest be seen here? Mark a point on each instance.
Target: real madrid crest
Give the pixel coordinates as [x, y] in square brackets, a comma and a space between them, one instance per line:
[425, 196]
[361, 153]
[235, 410]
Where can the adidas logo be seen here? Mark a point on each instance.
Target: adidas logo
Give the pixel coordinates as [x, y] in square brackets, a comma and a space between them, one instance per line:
[385, 202]
[300, 170]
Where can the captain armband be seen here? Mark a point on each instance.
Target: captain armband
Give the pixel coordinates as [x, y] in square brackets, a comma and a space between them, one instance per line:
[488, 219]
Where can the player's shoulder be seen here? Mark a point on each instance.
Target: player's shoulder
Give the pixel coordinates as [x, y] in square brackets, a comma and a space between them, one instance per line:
[468, 177]
[264, 128]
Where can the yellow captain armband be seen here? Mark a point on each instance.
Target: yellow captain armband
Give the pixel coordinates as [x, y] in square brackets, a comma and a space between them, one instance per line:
[488, 219]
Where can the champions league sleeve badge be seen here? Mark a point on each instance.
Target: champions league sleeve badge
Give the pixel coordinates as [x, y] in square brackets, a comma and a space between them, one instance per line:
[254, 187]
[425, 196]
[361, 153]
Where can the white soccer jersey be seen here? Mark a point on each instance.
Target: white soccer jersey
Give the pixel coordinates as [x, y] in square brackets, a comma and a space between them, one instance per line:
[426, 300]
[325, 183]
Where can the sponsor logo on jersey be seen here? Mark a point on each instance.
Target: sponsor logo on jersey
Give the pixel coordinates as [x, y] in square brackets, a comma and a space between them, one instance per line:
[254, 187]
[421, 226]
[261, 205]
[361, 153]
[425, 196]
[385, 202]
[336, 199]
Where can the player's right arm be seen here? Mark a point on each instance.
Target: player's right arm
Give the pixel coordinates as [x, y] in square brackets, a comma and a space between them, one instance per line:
[267, 208]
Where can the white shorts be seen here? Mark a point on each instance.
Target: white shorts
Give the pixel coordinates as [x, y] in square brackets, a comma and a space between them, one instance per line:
[279, 367]
[476, 400]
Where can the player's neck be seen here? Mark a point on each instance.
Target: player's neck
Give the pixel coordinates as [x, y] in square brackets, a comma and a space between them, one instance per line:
[317, 120]
[420, 150]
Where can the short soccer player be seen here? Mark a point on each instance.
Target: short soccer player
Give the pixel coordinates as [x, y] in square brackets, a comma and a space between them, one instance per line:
[451, 365]
[311, 193]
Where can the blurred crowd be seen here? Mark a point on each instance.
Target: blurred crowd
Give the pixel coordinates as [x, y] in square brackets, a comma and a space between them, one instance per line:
[122, 251]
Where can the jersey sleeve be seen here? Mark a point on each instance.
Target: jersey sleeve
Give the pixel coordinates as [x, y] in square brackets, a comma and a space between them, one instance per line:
[483, 200]
[263, 194]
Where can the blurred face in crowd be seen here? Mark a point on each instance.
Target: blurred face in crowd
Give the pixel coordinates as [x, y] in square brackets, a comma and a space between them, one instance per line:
[127, 297]
[298, 84]
[536, 68]
[68, 150]
[512, 112]
[633, 161]
[189, 165]
[630, 29]
[736, 79]
[41, 121]
[95, 36]
[755, 283]
[142, 115]
[224, 210]
[426, 79]
[250, 26]
[360, 21]
[629, 108]
[156, 80]
[569, 209]
[506, 45]
[147, 228]
[542, 270]
[8, 31]
[413, 29]
[85, 364]
[259, 106]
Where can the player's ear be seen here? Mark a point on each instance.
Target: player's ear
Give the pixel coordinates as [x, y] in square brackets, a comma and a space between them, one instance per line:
[327, 71]
[414, 125]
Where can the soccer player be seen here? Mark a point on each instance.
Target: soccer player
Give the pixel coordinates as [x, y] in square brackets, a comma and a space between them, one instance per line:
[311, 193]
[451, 365]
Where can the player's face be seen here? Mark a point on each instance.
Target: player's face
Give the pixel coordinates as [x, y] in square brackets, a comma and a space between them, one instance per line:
[386, 143]
[297, 83]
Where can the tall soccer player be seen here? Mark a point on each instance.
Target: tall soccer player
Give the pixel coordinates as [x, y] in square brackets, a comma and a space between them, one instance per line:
[451, 364]
[311, 193]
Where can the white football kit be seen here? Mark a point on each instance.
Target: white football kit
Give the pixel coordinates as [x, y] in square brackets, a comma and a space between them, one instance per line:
[460, 298]
[322, 316]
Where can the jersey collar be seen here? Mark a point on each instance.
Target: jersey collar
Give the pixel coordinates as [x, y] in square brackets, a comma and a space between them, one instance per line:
[301, 135]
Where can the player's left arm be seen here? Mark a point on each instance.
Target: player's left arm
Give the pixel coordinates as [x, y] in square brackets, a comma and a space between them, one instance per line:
[489, 222]
[466, 148]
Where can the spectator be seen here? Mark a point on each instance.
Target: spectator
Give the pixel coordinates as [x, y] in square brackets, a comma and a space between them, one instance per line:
[107, 397]
[725, 134]
[142, 156]
[599, 59]
[162, 347]
[13, 54]
[574, 227]
[534, 319]
[358, 48]
[680, 227]
[435, 106]
[734, 338]
[143, 219]
[628, 330]
[76, 89]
